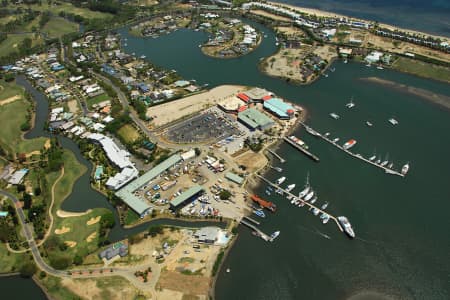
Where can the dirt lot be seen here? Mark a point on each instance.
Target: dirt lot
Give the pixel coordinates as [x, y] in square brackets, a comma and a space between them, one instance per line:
[111, 288]
[73, 106]
[253, 161]
[169, 112]
[188, 284]
[291, 31]
[326, 52]
[147, 246]
[286, 62]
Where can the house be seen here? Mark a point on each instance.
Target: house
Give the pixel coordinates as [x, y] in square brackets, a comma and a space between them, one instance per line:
[117, 249]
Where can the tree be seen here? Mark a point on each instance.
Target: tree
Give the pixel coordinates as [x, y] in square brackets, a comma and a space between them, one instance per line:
[78, 260]
[27, 270]
[37, 191]
[155, 230]
[26, 200]
[224, 195]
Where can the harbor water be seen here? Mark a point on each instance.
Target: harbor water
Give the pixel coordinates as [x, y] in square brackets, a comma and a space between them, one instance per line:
[400, 223]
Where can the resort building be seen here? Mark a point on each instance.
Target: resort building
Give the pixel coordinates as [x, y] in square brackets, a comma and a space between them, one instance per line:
[255, 119]
[17, 177]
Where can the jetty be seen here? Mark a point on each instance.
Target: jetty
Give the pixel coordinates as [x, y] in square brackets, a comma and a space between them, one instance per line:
[305, 202]
[251, 220]
[358, 156]
[255, 229]
[301, 149]
[282, 160]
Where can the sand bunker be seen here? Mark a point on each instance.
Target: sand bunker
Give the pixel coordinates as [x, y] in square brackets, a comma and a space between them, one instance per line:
[70, 244]
[91, 237]
[93, 220]
[63, 230]
[30, 154]
[47, 144]
[68, 214]
[10, 99]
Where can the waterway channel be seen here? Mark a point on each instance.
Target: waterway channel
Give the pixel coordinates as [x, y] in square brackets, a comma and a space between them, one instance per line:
[401, 223]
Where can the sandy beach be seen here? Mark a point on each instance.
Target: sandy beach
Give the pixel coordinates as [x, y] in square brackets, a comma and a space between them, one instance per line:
[321, 13]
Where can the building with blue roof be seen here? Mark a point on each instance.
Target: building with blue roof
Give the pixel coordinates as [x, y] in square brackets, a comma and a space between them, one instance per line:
[279, 108]
[108, 69]
[143, 87]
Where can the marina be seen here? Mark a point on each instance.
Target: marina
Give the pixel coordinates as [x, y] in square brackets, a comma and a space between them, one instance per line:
[302, 149]
[384, 165]
[304, 202]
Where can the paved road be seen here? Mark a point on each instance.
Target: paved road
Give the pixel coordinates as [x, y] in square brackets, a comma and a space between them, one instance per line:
[127, 272]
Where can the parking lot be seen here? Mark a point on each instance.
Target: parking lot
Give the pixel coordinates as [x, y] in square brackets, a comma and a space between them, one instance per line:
[209, 126]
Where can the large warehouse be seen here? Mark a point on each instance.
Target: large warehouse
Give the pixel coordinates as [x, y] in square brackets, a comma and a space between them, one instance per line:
[139, 205]
[185, 197]
[254, 119]
[279, 108]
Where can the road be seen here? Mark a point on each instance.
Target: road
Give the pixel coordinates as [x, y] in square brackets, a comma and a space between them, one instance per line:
[127, 272]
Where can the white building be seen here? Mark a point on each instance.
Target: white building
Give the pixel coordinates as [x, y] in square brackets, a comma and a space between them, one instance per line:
[373, 57]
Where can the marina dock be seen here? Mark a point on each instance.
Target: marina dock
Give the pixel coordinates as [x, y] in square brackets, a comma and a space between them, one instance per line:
[305, 202]
[359, 156]
[306, 152]
[251, 220]
[255, 229]
[282, 160]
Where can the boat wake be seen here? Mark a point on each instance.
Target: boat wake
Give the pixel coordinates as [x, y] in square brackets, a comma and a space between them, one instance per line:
[315, 231]
[367, 242]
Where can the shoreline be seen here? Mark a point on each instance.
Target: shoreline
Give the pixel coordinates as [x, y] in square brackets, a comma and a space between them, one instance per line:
[323, 13]
[442, 101]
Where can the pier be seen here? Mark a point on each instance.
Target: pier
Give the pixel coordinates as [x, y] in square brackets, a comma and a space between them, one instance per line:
[305, 202]
[254, 228]
[251, 220]
[306, 152]
[282, 160]
[359, 156]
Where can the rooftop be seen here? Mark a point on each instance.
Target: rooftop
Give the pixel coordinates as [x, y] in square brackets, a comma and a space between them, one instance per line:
[257, 93]
[186, 195]
[234, 177]
[279, 107]
[254, 118]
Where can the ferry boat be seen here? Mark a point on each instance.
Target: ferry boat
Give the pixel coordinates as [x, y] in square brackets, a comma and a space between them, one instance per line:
[298, 141]
[346, 226]
[393, 121]
[274, 235]
[290, 187]
[259, 213]
[334, 116]
[309, 196]
[336, 140]
[405, 169]
[280, 180]
[369, 124]
[349, 144]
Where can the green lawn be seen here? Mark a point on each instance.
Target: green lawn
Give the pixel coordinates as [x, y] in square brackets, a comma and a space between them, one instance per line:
[128, 133]
[13, 40]
[66, 7]
[54, 287]
[58, 27]
[12, 116]
[11, 262]
[131, 217]
[97, 99]
[422, 69]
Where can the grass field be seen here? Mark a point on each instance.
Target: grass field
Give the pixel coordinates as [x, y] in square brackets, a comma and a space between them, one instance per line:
[131, 217]
[96, 100]
[11, 262]
[54, 287]
[12, 116]
[422, 69]
[128, 133]
[57, 27]
[13, 40]
[66, 7]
